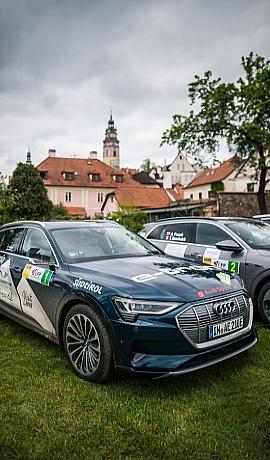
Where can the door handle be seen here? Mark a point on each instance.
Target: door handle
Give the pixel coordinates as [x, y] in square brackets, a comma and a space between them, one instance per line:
[17, 269]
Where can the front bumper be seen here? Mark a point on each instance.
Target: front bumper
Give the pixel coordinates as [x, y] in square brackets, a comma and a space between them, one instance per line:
[160, 366]
[158, 347]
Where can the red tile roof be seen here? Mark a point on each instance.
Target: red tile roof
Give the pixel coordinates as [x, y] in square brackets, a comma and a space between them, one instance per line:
[208, 176]
[82, 167]
[177, 192]
[139, 197]
[76, 211]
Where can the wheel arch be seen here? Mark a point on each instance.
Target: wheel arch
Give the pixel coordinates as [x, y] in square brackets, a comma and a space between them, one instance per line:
[257, 285]
[68, 302]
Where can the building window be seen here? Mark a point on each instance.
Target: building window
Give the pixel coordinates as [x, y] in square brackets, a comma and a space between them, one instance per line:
[200, 195]
[251, 187]
[68, 175]
[111, 198]
[68, 197]
[118, 178]
[191, 196]
[100, 197]
[95, 177]
[44, 174]
[114, 153]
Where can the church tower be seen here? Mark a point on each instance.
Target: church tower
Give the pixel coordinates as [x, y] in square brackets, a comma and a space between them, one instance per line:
[111, 146]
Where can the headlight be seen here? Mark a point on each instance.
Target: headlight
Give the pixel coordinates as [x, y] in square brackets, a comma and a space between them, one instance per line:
[130, 308]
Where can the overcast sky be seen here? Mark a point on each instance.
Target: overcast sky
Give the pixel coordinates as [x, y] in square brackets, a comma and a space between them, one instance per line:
[65, 63]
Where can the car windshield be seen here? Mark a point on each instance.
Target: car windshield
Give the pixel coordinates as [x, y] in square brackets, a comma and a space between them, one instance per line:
[255, 234]
[91, 243]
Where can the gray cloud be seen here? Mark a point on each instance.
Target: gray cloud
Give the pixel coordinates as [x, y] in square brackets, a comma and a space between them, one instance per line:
[64, 64]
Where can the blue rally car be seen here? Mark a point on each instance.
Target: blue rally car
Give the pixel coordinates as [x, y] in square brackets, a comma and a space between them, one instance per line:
[116, 302]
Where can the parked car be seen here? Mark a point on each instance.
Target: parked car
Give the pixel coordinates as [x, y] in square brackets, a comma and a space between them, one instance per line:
[116, 302]
[263, 217]
[238, 245]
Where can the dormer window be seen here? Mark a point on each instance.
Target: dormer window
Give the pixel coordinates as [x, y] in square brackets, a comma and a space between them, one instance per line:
[94, 177]
[68, 176]
[44, 174]
[118, 178]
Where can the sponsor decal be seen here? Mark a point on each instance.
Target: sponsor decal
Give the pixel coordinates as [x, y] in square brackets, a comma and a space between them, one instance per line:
[38, 274]
[87, 285]
[168, 271]
[175, 236]
[6, 296]
[212, 291]
[224, 277]
[229, 265]
[27, 299]
[177, 250]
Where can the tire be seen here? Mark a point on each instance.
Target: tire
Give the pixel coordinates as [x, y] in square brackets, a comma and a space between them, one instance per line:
[87, 345]
[264, 303]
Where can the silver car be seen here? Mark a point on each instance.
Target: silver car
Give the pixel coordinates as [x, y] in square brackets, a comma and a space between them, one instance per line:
[238, 245]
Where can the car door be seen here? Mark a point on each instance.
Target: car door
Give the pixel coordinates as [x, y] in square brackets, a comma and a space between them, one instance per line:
[33, 277]
[10, 240]
[173, 238]
[207, 235]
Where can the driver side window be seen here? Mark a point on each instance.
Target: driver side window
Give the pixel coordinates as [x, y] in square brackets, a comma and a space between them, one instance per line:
[36, 246]
[209, 234]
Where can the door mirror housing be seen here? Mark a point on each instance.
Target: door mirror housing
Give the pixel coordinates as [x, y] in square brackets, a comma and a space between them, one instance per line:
[229, 245]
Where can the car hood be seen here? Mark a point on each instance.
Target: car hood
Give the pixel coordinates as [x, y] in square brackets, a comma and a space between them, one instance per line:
[155, 277]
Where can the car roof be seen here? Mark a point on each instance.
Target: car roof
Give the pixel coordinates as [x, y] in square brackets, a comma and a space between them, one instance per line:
[214, 219]
[52, 225]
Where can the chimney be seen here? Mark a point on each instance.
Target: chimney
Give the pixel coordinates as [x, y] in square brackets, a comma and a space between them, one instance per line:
[92, 155]
[51, 153]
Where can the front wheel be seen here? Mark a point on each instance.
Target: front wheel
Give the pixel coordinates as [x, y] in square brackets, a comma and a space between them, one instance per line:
[264, 303]
[87, 344]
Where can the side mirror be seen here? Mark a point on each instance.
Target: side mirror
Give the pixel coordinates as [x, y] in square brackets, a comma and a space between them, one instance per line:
[229, 245]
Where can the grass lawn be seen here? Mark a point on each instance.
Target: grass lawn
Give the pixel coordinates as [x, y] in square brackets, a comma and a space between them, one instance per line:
[46, 412]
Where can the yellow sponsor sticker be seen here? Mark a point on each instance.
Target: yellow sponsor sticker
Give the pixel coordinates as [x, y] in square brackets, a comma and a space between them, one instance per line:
[26, 271]
[208, 261]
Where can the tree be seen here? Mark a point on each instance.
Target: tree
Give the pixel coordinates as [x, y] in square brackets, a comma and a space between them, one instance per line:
[130, 217]
[3, 189]
[27, 196]
[59, 212]
[147, 166]
[237, 112]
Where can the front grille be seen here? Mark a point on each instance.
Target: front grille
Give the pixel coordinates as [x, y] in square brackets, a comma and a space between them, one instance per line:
[195, 321]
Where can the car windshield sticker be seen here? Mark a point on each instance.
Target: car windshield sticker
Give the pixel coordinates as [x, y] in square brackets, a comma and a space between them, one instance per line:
[32, 306]
[229, 265]
[8, 293]
[87, 285]
[224, 277]
[38, 274]
[177, 250]
[175, 236]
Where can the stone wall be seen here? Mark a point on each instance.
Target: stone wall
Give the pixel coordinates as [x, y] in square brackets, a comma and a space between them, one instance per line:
[240, 204]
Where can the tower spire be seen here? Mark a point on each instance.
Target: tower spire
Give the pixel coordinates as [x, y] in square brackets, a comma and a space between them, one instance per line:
[28, 157]
[111, 145]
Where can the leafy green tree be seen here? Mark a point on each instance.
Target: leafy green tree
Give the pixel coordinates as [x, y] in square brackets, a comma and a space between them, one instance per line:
[27, 196]
[147, 166]
[59, 212]
[237, 112]
[129, 216]
[3, 191]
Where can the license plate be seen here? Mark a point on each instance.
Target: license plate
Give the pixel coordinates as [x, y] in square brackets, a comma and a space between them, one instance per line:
[216, 330]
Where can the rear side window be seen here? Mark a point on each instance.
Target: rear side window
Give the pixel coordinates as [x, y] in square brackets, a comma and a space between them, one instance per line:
[36, 246]
[181, 232]
[209, 234]
[10, 239]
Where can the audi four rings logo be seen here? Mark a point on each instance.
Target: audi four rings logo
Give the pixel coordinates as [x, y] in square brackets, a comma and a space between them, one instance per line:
[224, 308]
